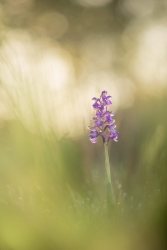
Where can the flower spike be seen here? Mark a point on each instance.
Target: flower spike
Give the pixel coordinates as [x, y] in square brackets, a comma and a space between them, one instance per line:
[103, 120]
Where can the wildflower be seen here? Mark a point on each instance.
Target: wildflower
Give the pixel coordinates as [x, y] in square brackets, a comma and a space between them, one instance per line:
[103, 120]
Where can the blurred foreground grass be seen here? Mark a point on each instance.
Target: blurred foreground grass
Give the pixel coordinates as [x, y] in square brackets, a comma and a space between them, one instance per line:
[52, 193]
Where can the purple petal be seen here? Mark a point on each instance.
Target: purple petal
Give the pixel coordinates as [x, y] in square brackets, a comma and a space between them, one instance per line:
[108, 102]
[98, 113]
[93, 134]
[103, 93]
[98, 123]
[113, 134]
[93, 140]
[111, 126]
[111, 113]
[109, 119]
[101, 106]
[95, 105]
[111, 122]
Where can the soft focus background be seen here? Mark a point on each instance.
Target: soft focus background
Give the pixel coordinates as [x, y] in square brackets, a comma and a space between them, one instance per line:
[55, 55]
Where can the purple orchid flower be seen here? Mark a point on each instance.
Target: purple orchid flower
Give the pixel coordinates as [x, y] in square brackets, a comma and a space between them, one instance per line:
[103, 120]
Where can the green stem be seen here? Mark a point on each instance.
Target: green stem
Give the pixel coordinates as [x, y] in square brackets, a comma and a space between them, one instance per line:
[110, 190]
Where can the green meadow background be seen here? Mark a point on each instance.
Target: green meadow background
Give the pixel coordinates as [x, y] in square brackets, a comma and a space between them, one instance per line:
[55, 55]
